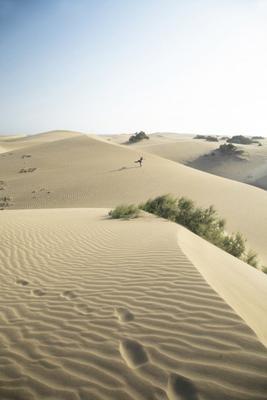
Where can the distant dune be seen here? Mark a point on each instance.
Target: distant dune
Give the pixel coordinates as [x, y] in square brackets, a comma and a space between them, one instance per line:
[97, 309]
[202, 155]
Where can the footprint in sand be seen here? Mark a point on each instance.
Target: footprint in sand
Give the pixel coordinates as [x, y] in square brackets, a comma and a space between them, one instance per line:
[83, 309]
[133, 353]
[123, 314]
[69, 295]
[22, 282]
[38, 292]
[181, 388]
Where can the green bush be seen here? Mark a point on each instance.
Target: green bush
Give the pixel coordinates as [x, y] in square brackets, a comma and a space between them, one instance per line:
[204, 222]
[229, 149]
[163, 206]
[208, 138]
[136, 137]
[212, 139]
[264, 269]
[251, 258]
[240, 139]
[125, 212]
[200, 137]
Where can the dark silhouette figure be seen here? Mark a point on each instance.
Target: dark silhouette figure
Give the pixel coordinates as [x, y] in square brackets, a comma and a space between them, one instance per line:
[140, 161]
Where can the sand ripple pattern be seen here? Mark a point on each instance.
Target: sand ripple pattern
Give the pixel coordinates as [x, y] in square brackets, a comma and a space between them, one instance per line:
[95, 309]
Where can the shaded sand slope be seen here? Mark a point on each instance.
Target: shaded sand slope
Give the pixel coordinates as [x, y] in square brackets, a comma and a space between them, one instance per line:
[82, 171]
[96, 309]
[179, 149]
[200, 154]
[242, 286]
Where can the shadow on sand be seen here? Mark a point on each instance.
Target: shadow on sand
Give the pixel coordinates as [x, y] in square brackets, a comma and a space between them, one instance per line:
[123, 168]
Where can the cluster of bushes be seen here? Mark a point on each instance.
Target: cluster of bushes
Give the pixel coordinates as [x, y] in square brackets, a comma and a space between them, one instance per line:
[257, 137]
[240, 139]
[208, 138]
[204, 222]
[136, 137]
[230, 149]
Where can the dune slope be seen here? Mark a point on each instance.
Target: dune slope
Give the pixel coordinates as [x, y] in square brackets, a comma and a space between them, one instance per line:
[93, 308]
[251, 168]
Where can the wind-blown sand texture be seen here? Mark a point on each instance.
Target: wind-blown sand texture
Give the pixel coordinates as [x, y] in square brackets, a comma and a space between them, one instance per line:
[93, 308]
[75, 170]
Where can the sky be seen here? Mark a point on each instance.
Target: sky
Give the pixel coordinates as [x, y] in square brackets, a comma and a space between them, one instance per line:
[116, 66]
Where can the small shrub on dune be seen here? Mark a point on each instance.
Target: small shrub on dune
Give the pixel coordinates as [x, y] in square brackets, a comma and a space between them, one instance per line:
[204, 222]
[240, 139]
[137, 137]
[234, 244]
[212, 139]
[200, 137]
[125, 212]
[251, 258]
[164, 206]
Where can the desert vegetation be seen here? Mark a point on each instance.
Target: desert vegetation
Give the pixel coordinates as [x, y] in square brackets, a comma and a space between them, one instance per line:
[125, 212]
[5, 202]
[211, 139]
[204, 222]
[137, 137]
[240, 139]
[230, 149]
[26, 170]
[208, 138]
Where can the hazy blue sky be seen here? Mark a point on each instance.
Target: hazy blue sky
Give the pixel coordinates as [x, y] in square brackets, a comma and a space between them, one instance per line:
[110, 66]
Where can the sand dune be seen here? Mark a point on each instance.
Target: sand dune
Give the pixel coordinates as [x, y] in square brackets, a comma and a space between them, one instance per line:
[81, 171]
[251, 168]
[93, 308]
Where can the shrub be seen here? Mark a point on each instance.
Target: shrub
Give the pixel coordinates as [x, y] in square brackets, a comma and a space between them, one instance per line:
[234, 244]
[200, 137]
[202, 221]
[251, 258]
[208, 138]
[125, 212]
[257, 137]
[212, 139]
[136, 137]
[164, 206]
[264, 269]
[240, 139]
[229, 149]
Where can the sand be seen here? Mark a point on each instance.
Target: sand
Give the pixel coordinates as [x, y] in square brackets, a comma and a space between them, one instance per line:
[93, 308]
[250, 168]
[76, 170]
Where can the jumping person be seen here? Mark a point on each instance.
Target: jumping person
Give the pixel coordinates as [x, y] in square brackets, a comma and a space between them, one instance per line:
[140, 161]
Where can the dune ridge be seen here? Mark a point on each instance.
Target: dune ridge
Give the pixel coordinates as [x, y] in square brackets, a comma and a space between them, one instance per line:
[93, 308]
